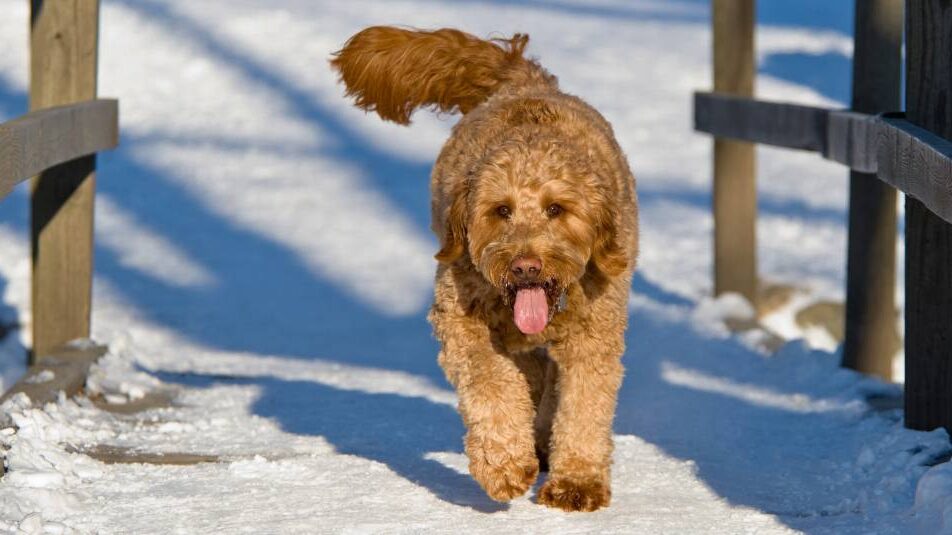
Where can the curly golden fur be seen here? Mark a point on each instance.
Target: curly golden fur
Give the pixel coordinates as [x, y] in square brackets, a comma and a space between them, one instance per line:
[533, 202]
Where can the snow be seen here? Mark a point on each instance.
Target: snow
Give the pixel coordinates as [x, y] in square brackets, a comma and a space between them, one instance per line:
[263, 257]
[934, 500]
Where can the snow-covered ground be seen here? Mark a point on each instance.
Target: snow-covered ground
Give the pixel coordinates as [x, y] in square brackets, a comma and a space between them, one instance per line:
[263, 256]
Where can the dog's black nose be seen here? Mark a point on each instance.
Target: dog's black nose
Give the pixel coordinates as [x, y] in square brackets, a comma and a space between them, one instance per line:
[526, 269]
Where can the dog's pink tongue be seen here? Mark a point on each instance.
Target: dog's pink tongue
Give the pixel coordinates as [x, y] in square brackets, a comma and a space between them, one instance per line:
[531, 311]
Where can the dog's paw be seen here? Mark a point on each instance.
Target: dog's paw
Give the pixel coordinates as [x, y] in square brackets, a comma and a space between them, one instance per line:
[571, 494]
[502, 477]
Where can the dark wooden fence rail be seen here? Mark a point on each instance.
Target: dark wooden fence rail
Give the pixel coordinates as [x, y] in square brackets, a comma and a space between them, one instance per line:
[888, 147]
[911, 154]
[57, 142]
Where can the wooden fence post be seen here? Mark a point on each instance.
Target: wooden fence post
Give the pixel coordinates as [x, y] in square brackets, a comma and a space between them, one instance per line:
[63, 67]
[871, 337]
[735, 188]
[928, 396]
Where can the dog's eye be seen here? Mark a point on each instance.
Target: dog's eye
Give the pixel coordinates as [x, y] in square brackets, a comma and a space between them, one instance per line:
[554, 210]
[503, 211]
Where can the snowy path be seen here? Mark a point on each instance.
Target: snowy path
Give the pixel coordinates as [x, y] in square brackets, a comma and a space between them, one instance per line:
[263, 255]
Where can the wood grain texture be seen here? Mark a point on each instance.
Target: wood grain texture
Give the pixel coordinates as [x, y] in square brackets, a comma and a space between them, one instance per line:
[871, 338]
[918, 163]
[48, 137]
[63, 69]
[928, 392]
[735, 191]
[851, 139]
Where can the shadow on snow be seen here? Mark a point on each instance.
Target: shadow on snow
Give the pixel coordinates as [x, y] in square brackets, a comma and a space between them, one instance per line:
[395, 430]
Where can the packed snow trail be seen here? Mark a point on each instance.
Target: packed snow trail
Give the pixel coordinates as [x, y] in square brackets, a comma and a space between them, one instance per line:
[264, 261]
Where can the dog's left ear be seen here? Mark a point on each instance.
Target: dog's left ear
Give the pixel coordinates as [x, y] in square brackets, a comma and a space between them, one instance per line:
[608, 254]
[453, 239]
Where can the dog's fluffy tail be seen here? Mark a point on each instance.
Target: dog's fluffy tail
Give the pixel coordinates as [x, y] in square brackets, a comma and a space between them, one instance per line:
[394, 71]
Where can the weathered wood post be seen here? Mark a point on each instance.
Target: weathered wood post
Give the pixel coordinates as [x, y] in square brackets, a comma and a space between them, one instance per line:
[63, 67]
[871, 338]
[928, 396]
[735, 189]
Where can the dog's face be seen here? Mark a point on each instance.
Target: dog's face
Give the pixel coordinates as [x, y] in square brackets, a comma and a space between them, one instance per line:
[533, 216]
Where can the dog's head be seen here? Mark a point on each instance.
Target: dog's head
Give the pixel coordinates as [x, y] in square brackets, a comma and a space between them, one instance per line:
[533, 216]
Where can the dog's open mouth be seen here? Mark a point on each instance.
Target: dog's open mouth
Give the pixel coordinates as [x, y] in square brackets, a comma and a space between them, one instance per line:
[532, 305]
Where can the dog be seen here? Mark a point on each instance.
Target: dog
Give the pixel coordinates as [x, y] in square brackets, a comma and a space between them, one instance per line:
[536, 214]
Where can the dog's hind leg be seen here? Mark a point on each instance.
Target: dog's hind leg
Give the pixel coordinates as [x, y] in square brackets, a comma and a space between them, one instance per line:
[545, 412]
[540, 372]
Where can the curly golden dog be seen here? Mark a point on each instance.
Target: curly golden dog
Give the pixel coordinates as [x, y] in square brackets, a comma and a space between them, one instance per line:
[535, 209]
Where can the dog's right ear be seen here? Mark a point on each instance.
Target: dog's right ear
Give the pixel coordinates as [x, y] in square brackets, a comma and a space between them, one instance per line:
[454, 231]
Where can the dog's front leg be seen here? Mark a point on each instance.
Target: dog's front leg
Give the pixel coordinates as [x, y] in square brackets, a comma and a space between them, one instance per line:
[497, 409]
[590, 373]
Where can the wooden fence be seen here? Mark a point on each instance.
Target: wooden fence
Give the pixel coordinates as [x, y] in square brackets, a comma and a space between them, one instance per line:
[57, 142]
[909, 152]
